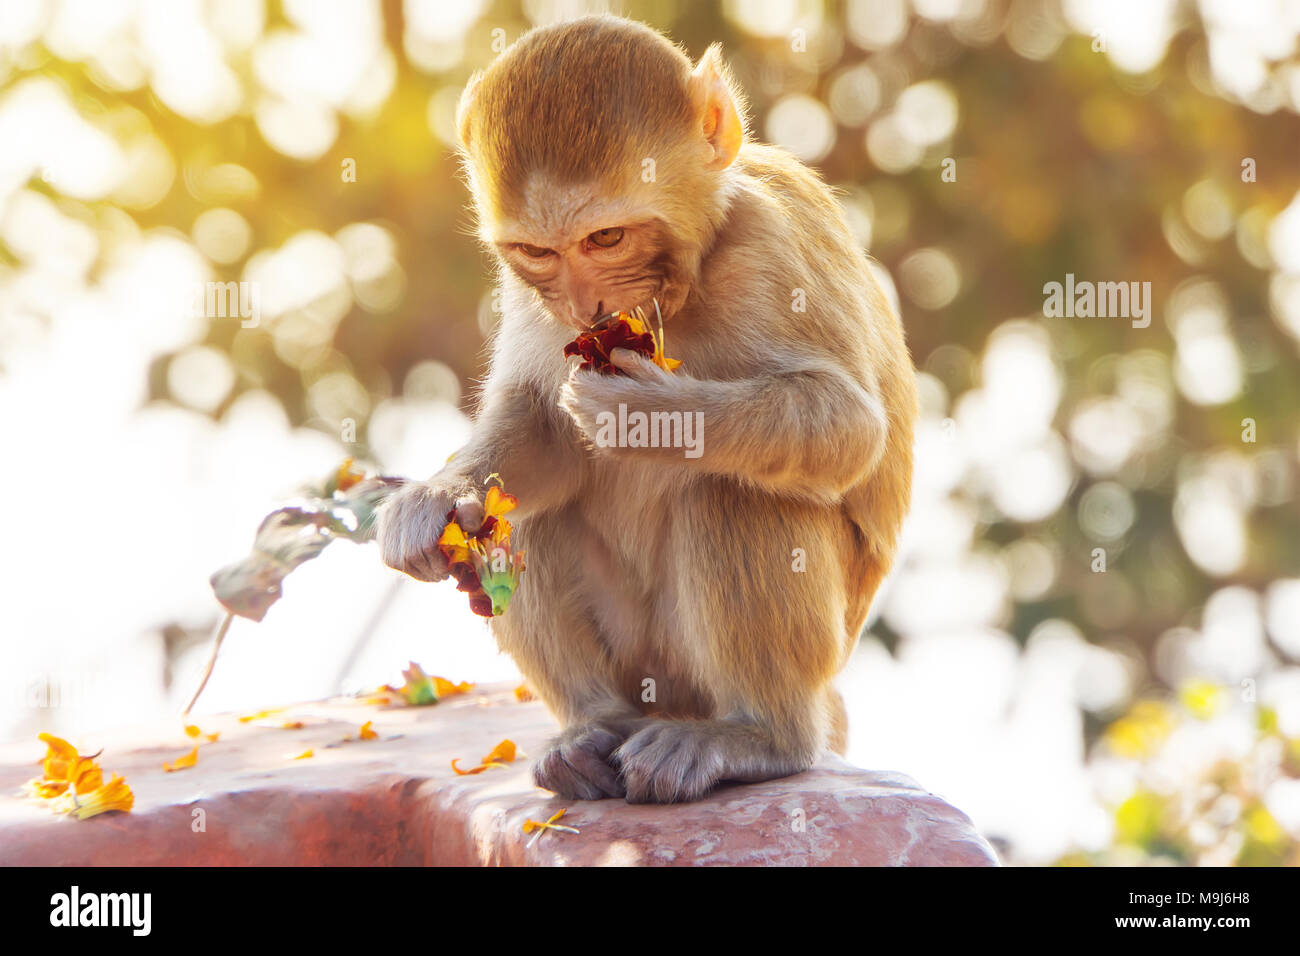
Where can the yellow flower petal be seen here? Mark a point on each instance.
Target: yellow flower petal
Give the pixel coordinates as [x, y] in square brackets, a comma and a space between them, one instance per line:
[45, 789]
[87, 776]
[181, 763]
[497, 502]
[502, 754]
[60, 756]
[114, 795]
[445, 688]
[551, 824]
[454, 543]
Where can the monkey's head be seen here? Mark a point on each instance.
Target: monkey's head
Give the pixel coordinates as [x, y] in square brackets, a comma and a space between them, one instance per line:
[597, 156]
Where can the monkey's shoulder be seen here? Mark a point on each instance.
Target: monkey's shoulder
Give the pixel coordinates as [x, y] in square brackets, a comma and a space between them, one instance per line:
[792, 190]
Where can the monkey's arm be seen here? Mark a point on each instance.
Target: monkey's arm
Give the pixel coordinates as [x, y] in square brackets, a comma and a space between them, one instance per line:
[808, 430]
[530, 446]
[527, 443]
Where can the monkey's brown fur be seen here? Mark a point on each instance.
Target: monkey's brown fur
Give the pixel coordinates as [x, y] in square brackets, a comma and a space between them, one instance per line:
[643, 563]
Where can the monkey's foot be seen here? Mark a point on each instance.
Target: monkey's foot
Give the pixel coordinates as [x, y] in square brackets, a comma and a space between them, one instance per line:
[673, 761]
[577, 763]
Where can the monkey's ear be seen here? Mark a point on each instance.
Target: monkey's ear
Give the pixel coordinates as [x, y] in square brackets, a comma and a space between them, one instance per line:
[465, 106]
[715, 105]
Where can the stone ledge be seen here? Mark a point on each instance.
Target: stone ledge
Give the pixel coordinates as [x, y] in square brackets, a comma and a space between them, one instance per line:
[396, 801]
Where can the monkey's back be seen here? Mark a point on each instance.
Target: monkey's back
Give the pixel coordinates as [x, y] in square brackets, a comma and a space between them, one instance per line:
[796, 222]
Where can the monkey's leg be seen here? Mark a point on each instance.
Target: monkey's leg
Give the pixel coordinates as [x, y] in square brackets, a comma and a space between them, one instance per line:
[838, 735]
[765, 638]
[550, 635]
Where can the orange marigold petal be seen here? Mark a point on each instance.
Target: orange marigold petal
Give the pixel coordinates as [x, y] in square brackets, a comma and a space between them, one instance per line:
[345, 478]
[502, 752]
[60, 758]
[46, 789]
[497, 502]
[87, 776]
[189, 760]
[58, 747]
[114, 795]
[445, 688]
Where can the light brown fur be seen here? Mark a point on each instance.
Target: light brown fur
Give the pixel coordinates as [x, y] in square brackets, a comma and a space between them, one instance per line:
[643, 563]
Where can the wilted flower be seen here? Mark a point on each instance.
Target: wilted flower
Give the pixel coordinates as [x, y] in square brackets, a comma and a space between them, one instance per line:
[62, 768]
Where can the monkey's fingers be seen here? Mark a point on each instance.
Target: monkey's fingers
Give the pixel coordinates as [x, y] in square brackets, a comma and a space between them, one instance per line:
[635, 364]
[426, 564]
[577, 766]
[469, 514]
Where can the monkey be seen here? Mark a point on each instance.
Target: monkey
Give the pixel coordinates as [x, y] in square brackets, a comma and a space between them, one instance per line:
[683, 618]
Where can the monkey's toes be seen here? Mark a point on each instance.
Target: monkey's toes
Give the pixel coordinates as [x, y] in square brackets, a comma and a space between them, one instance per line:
[669, 762]
[577, 764]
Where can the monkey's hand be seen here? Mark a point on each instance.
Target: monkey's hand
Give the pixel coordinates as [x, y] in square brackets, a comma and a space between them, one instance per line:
[588, 396]
[412, 520]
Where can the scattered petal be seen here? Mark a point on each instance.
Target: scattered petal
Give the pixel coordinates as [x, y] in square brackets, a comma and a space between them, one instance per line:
[504, 751]
[502, 754]
[531, 825]
[189, 760]
[445, 688]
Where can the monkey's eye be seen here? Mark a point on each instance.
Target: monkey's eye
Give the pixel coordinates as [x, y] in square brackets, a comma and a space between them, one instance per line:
[607, 238]
[533, 252]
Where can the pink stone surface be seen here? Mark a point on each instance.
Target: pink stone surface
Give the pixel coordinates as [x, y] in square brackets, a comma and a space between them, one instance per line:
[396, 800]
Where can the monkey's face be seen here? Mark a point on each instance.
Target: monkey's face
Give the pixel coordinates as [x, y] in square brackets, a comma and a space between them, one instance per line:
[596, 157]
[589, 260]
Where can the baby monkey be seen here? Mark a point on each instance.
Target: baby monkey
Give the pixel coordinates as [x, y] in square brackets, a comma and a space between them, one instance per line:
[682, 616]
